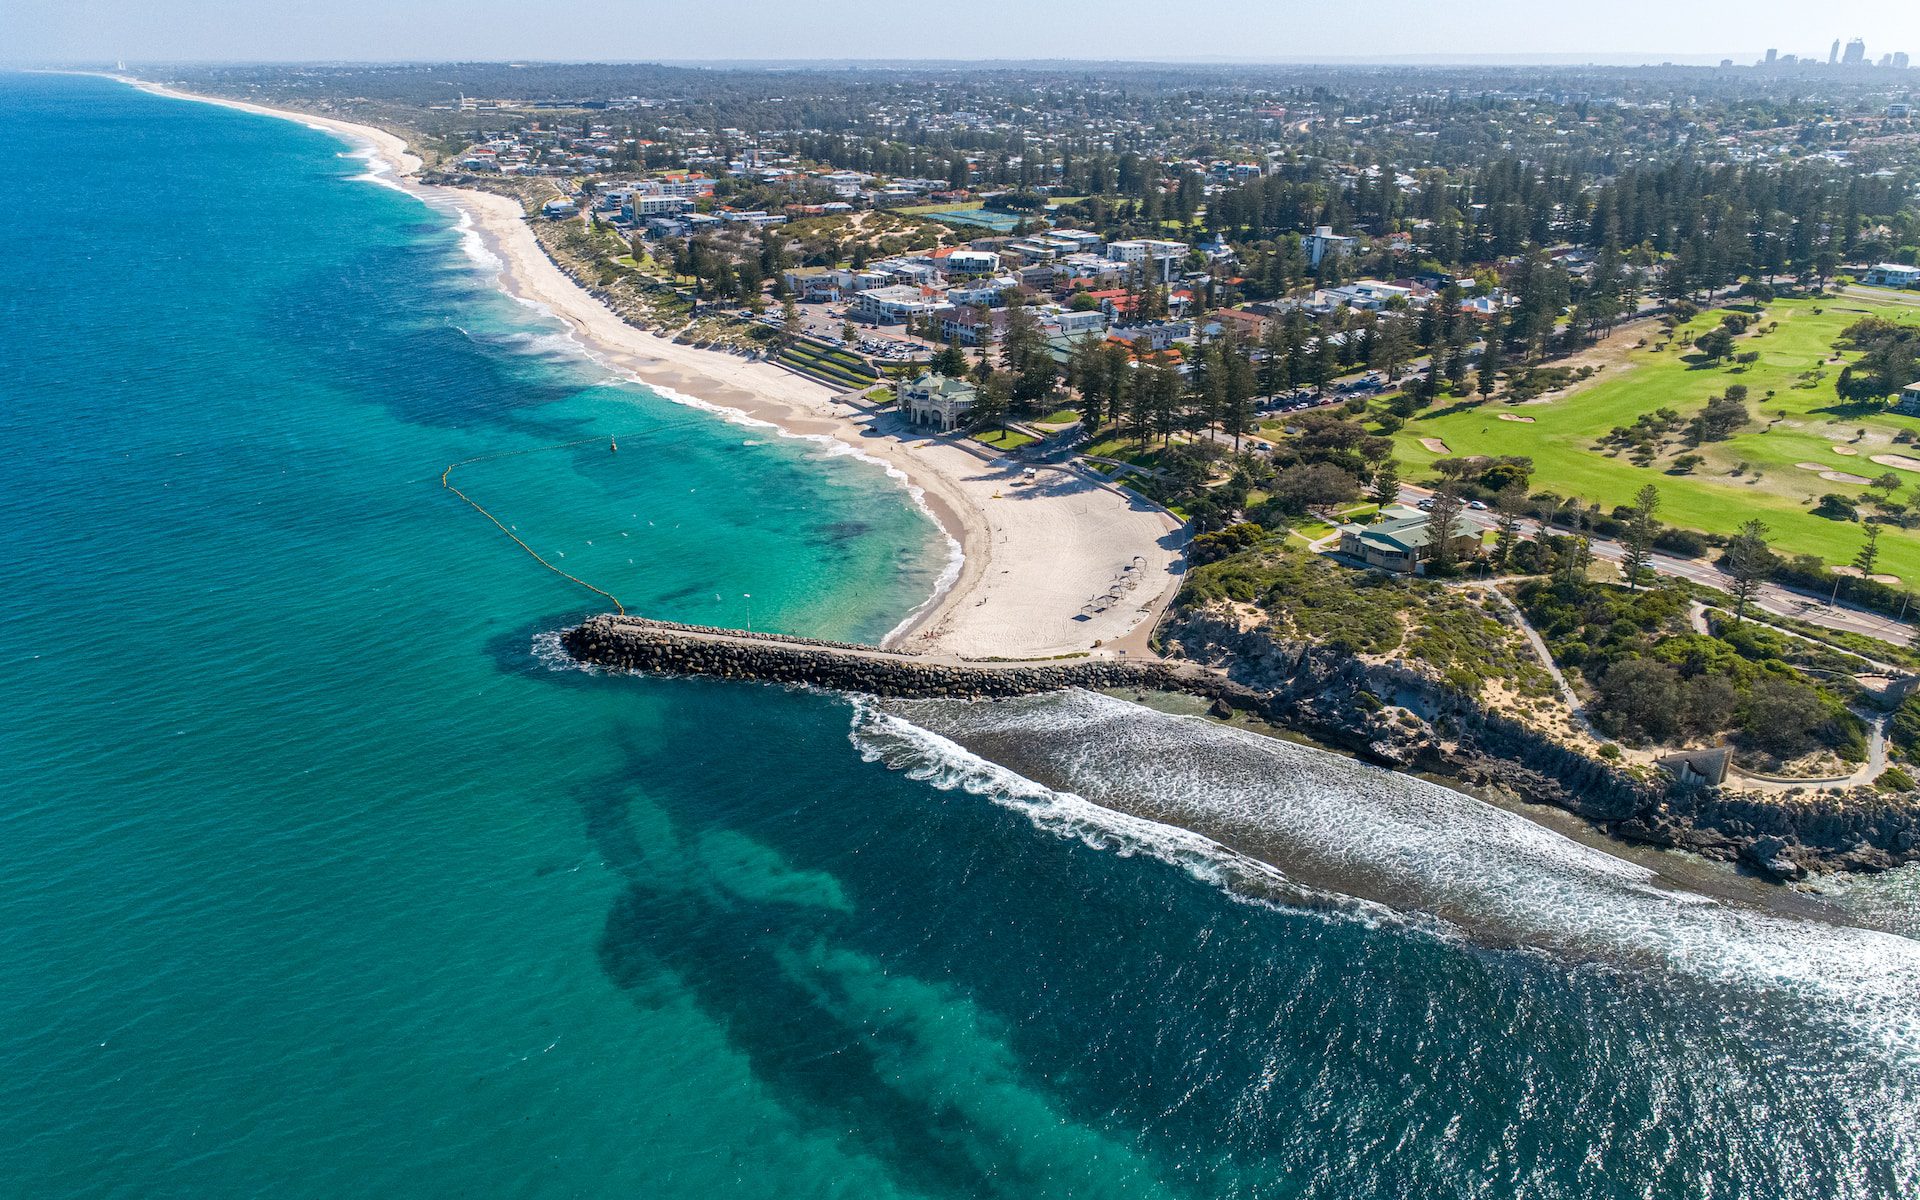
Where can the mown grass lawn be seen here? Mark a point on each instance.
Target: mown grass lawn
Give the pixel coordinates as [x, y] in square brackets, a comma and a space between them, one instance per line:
[1003, 439]
[1126, 448]
[1795, 424]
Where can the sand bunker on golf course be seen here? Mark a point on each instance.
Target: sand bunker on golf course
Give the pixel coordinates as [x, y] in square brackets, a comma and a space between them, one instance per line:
[1832, 476]
[1436, 446]
[1900, 461]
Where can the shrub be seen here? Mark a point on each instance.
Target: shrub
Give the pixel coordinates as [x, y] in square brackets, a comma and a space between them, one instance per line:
[1683, 542]
[1893, 779]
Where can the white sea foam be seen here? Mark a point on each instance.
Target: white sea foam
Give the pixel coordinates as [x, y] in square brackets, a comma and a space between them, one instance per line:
[378, 171]
[924, 755]
[473, 245]
[549, 653]
[1423, 849]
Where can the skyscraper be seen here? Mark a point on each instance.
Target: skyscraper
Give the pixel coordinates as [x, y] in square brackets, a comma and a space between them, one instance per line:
[1773, 56]
[1833, 55]
[1856, 55]
[1899, 60]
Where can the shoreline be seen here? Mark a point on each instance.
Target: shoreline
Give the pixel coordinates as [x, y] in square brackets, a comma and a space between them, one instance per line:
[1032, 552]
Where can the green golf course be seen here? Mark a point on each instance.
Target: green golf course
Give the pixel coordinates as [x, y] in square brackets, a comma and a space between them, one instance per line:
[1798, 418]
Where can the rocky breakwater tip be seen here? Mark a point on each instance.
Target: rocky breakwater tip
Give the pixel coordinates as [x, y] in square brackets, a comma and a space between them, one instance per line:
[659, 648]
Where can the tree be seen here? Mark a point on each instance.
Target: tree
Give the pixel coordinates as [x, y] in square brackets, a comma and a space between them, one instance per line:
[1572, 566]
[1869, 550]
[1509, 507]
[1385, 485]
[789, 322]
[1313, 485]
[1715, 344]
[1490, 359]
[1443, 526]
[1749, 560]
[951, 361]
[1639, 699]
[1641, 530]
[992, 400]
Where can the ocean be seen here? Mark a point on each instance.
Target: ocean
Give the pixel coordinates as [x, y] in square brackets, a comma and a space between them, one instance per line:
[322, 874]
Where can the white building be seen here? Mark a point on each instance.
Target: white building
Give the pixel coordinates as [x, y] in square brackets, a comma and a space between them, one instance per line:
[1323, 241]
[1067, 323]
[1893, 275]
[1157, 259]
[971, 262]
[1365, 295]
[892, 305]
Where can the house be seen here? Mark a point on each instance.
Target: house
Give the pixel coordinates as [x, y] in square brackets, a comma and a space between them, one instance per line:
[964, 325]
[815, 283]
[1072, 324]
[1402, 540]
[1909, 402]
[1323, 242]
[1239, 320]
[1893, 275]
[939, 402]
[983, 291]
[1364, 295]
[558, 210]
[1154, 337]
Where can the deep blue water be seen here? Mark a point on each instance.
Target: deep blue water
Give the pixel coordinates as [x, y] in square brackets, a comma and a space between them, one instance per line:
[319, 878]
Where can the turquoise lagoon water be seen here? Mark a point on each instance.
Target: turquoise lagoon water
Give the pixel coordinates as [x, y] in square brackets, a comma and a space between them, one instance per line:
[321, 876]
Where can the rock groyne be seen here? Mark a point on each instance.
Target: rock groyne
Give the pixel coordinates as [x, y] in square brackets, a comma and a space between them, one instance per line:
[637, 644]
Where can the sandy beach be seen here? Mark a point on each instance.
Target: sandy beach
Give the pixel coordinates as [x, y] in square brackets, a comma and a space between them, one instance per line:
[1057, 564]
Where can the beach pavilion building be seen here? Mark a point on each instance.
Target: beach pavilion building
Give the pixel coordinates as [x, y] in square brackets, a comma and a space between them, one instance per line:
[938, 402]
[1402, 540]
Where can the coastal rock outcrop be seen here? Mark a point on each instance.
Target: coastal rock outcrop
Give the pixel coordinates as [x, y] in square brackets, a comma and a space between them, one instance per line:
[1343, 701]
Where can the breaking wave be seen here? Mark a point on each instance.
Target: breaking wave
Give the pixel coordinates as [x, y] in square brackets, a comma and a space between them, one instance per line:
[1263, 817]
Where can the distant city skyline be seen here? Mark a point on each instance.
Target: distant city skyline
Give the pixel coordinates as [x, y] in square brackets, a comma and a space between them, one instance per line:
[1628, 31]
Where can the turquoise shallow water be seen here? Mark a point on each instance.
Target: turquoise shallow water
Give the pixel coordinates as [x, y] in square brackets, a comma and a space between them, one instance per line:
[318, 878]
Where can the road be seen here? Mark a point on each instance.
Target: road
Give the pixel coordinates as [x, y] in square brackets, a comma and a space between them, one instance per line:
[1772, 598]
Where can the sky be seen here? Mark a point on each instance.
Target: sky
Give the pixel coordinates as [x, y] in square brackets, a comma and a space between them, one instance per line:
[50, 31]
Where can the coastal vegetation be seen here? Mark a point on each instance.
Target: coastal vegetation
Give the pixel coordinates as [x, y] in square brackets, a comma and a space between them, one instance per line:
[1464, 636]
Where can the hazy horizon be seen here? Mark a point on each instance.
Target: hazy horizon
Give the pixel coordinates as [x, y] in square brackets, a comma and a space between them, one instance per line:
[1233, 32]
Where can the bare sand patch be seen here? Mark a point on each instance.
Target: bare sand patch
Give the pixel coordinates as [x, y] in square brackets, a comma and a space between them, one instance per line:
[1436, 446]
[1516, 417]
[1898, 461]
[1845, 451]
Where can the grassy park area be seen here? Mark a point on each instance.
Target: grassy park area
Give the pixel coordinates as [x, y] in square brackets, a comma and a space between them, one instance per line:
[1803, 441]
